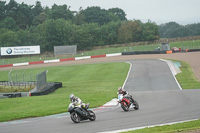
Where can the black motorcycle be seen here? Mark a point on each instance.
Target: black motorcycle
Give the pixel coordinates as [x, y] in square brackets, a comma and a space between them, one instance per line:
[78, 114]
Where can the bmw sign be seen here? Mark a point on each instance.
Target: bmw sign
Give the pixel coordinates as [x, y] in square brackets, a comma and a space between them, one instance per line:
[20, 50]
[9, 51]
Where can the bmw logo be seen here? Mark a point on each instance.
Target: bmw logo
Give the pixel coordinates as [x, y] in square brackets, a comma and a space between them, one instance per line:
[9, 51]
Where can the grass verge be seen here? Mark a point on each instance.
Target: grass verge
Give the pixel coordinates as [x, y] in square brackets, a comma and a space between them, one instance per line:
[94, 83]
[186, 78]
[181, 127]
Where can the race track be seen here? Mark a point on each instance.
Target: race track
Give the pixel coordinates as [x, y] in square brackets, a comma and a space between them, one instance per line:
[150, 82]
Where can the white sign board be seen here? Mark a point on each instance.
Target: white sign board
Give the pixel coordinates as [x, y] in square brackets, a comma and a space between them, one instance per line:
[20, 50]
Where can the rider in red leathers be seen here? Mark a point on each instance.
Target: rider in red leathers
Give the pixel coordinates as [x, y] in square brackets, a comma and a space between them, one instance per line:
[124, 93]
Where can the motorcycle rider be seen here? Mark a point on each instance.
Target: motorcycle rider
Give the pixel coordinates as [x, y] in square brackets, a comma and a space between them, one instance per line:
[77, 101]
[124, 93]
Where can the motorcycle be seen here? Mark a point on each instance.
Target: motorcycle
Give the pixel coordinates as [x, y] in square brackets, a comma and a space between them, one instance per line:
[78, 114]
[127, 102]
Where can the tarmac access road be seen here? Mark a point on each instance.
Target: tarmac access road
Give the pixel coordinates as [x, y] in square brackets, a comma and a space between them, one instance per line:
[152, 85]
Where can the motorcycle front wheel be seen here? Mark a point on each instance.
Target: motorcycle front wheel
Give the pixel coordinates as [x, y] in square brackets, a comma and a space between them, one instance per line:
[135, 103]
[75, 117]
[92, 115]
[124, 107]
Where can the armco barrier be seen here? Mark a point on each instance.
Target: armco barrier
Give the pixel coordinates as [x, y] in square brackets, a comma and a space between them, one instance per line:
[13, 95]
[51, 87]
[143, 52]
[193, 50]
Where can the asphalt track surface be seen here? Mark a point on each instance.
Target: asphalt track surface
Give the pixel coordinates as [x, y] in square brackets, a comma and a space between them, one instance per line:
[150, 82]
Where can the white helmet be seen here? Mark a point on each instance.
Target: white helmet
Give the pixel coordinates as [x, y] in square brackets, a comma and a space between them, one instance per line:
[120, 90]
[71, 97]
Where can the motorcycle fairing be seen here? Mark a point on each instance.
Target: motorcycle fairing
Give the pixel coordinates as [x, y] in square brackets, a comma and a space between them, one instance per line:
[126, 100]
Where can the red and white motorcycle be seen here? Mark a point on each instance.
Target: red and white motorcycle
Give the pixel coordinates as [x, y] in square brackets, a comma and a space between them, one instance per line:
[127, 102]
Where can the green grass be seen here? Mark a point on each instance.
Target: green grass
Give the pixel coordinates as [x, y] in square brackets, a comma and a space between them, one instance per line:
[186, 126]
[186, 78]
[94, 83]
[186, 44]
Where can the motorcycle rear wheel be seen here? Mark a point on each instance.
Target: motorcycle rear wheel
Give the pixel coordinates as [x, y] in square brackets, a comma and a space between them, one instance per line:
[124, 107]
[75, 117]
[92, 115]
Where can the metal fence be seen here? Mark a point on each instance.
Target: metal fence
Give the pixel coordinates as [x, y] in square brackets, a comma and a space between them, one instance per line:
[63, 50]
[41, 80]
[26, 78]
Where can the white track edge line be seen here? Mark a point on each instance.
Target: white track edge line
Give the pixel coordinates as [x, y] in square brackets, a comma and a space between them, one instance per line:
[172, 73]
[127, 74]
[136, 128]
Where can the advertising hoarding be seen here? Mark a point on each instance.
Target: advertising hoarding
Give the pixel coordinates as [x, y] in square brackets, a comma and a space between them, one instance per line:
[20, 50]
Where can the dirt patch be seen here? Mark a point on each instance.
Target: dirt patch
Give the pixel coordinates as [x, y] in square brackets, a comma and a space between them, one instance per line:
[190, 57]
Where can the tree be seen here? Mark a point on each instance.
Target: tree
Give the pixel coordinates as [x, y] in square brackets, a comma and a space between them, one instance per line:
[119, 12]
[60, 12]
[194, 29]
[79, 17]
[108, 33]
[84, 36]
[172, 30]
[2, 9]
[96, 15]
[58, 33]
[24, 16]
[37, 9]
[42, 17]
[27, 38]
[9, 23]
[150, 31]
[8, 38]
[130, 31]
[11, 9]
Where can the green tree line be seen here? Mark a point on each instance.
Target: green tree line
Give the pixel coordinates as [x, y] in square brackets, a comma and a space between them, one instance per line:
[26, 25]
[173, 30]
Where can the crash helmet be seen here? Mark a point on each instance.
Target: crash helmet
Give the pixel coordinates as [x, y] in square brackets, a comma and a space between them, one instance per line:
[71, 97]
[120, 90]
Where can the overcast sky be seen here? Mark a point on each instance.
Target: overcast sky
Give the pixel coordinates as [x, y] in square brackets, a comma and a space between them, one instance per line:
[158, 11]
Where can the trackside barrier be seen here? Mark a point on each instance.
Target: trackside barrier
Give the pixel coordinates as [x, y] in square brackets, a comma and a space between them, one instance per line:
[115, 54]
[169, 52]
[143, 52]
[68, 59]
[97, 56]
[21, 64]
[52, 61]
[36, 62]
[51, 87]
[81, 58]
[9, 65]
